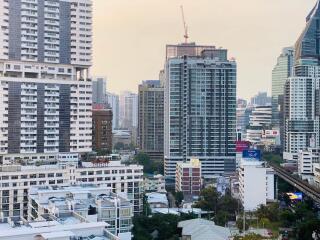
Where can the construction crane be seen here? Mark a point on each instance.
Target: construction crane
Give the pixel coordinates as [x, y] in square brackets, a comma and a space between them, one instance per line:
[186, 35]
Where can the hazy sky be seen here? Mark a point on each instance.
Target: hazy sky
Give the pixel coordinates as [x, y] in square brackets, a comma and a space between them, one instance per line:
[130, 36]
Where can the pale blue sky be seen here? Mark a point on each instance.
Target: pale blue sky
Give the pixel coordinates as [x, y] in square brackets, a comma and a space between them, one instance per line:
[130, 36]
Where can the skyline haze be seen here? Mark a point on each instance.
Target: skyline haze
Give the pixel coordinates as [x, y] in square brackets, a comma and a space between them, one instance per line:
[133, 35]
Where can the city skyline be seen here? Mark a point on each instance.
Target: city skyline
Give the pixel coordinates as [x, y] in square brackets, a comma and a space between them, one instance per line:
[121, 31]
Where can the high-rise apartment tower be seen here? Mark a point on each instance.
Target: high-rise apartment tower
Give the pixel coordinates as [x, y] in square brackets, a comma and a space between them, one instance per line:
[200, 109]
[45, 88]
[150, 123]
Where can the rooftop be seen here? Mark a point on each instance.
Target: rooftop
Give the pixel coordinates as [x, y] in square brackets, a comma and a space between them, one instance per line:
[201, 229]
[54, 229]
[155, 197]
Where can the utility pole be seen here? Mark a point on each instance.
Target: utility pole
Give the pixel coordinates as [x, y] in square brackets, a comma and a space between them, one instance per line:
[244, 222]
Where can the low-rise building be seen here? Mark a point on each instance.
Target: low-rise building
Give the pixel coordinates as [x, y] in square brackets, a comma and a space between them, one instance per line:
[92, 203]
[65, 227]
[123, 137]
[102, 129]
[16, 181]
[316, 170]
[157, 200]
[306, 159]
[188, 178]
[256, 184]
[155, 183]
[201, 229]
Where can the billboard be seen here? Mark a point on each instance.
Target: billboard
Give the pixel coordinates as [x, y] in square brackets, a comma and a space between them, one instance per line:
[251, 154]
[297, 196]
[271, 133]
[241, 146]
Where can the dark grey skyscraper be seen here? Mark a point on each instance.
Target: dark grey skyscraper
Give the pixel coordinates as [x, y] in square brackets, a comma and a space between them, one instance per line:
[200, 110]
[308, 45]
[99, 89]
[150, 119]
[301, 98]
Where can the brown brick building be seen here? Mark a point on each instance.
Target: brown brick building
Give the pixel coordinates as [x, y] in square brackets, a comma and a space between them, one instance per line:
[102, 129]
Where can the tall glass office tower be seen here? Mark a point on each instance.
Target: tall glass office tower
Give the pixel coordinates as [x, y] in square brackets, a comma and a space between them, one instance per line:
[200, 110]
[302, 91]
[280, 73]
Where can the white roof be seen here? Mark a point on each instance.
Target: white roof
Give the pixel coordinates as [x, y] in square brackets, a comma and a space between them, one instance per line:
[155, 197]
[20, 231]
[201, 229]
[58, 234]
[177, 211]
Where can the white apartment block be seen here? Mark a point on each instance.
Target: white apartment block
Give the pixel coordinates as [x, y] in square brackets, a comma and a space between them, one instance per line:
[90, 202]
[65, 228]
[256, 184]
[45, 85]
[260, 116]
[307, 158]
[316, 170]
[16, 181]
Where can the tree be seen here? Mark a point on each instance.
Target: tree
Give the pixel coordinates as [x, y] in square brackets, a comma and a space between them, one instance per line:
[143, 159]
[273, 158]
[306, 230]
[164, 226]
[228, 203]
[119, 146]
[208, 199]
[270, 212]
[102, 152]
[179, 198]
[224, 207]
[240, 224]
[287, 218]
[221, 218]
[149, 166]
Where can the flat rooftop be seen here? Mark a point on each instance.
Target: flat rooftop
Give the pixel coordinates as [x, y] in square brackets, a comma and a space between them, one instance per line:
[52, 228]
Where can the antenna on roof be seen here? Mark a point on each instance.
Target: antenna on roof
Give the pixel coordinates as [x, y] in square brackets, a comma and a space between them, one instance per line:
[186, 35]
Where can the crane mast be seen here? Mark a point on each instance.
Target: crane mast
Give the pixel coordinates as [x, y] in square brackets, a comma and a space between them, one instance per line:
[186, 35]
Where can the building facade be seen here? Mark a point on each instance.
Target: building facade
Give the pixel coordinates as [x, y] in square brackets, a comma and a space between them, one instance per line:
[16, 180]
[99, 89]
[113, 103]
[259, 120]
[307, 159]
[102, 130]
[129, 110]
[188, 178]
[155, 183]
[150, 123]
[45, 84]
[261, 99]
[256, 184]
[280, 73]
[200, 112]
[301, 97]
[91, 202]
[301, 111]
